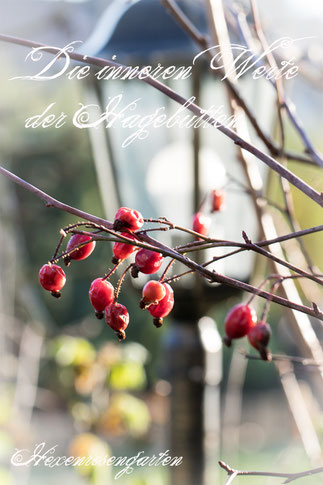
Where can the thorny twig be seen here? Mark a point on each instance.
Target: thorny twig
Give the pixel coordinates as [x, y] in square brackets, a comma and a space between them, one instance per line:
[290, 477]
[148, 242]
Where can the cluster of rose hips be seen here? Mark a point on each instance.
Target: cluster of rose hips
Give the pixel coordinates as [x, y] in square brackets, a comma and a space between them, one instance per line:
[157, 297]
[201, 221]
[241, 321]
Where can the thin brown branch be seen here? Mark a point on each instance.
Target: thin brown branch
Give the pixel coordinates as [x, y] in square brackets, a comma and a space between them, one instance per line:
[282, 357]
[302, 326]
[195, 245]
[155, 245]
[281, 103]
[288, 476]
[51, 202]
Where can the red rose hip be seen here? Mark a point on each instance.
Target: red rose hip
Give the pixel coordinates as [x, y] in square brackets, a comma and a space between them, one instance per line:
[240, 319]
[101, 294]
[163, 308]
[259, 337]
[126, 218]
[117, 317]
[217, 200]
[82, 252]
[201, 223]
[152, 293]
[123, 250]
[52, 278]
[146, 261]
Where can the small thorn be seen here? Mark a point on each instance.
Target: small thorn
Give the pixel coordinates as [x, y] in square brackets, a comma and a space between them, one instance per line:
[316, 309]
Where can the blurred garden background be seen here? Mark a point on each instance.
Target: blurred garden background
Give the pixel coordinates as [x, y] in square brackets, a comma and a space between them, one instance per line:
[65, 379]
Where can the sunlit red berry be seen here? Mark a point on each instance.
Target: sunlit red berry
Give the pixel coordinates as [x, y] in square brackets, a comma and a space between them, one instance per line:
[240, 319]
[152, 293]
[117, 317]
[201, 223]
[101, 294]
[259, 337]
[146, 261]
[163, 307]
[82, 252]
[52, 278]
[217, 199]
[122, 250]
[126, 218]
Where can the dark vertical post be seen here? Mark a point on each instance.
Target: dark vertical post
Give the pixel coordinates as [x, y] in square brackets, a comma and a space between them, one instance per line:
[185, 362]
[193, 352]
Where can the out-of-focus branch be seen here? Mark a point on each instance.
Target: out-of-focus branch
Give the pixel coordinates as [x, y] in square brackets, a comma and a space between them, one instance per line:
[285, 102]
[191, 106]
[302, 327]
[282, 102]
[290, 477]
[202, 42]
[299, 410]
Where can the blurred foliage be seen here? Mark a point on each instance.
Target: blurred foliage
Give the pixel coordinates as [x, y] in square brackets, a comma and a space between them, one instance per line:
[125, 414]
[95, 377]
[89, 381]
[90, 446]
[72, 351]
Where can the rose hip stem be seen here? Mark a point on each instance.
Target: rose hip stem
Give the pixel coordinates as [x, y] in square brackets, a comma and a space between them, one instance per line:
[67, 253]
[64, 231]
[121, 280]
[166, 270]
[113, 270]
[273, 288]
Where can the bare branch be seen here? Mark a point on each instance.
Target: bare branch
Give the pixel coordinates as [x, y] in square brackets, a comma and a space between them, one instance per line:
[238, 140]
[289, 476]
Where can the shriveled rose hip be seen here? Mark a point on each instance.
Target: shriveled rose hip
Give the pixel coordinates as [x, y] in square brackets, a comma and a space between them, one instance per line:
[259, 337]
[117, 317]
